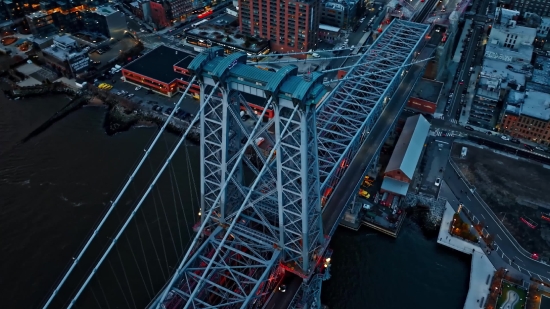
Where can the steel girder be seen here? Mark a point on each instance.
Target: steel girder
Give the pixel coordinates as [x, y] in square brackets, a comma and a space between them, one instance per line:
[348, 114]
[232, 263]
[298, 188]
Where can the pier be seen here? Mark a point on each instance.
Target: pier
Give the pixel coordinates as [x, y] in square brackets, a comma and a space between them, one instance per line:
[482, 270]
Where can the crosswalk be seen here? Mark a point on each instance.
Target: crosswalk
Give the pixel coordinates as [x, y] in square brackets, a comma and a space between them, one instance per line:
[443, 133]
[454, 121]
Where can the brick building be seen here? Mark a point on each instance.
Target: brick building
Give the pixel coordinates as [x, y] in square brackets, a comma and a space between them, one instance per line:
[425, 95]
[290, 26]
[528, 117]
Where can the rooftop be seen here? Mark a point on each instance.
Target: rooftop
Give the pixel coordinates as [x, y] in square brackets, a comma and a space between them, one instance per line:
[36, 14]
[223, 30]
[394, 186]
[406, 153]
[159, 63]
[64, 39]
[523, 53]
[329, 28]
[106, 10]
[536, 105]
[428, 90]
[509, 74]
[541, 72]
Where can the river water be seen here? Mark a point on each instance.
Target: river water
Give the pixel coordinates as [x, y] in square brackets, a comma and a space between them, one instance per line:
[55, 187]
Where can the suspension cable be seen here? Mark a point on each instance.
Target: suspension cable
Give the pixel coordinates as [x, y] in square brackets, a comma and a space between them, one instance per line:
[113, 204]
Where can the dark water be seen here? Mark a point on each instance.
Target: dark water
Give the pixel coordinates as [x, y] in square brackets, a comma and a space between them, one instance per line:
[55, 188]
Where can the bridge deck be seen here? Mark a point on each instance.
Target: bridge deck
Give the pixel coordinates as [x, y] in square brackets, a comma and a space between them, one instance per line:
[349, 113]
[334, 210]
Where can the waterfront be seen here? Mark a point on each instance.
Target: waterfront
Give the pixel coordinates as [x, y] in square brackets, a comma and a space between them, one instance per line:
[55, 187]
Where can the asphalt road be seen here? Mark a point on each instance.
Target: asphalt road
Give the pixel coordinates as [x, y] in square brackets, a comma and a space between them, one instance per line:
[494, 137]
[463, 73]
[503, 239]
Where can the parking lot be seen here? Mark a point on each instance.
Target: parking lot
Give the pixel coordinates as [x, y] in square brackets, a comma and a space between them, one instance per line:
[433, 163]
[147, 99]
[114, 51]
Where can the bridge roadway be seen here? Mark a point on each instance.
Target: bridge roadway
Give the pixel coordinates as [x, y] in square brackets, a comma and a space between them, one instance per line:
[333, 211]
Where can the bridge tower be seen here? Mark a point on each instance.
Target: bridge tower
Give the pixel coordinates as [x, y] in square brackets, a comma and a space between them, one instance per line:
[260, 200]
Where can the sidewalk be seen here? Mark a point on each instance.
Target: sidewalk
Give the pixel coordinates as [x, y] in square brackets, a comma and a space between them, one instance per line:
[481, 271]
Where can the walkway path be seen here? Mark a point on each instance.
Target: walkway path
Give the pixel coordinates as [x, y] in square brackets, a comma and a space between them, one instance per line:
[512, 299]
[482, 270]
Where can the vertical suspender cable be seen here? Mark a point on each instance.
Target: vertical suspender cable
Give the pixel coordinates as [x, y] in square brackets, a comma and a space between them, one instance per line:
[113, 204]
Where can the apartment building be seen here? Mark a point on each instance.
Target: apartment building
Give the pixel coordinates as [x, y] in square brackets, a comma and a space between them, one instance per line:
[290, 26]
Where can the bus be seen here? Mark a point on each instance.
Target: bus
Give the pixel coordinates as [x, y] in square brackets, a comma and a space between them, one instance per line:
[195, 25]
[205, 14]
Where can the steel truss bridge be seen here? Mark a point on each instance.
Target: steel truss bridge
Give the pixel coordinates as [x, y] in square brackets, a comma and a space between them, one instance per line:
[314, 152]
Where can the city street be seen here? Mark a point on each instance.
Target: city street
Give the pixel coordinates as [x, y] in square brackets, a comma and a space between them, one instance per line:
[462, 78]
[459, 192]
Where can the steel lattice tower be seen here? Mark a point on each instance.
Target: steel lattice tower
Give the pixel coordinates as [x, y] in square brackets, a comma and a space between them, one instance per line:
[247, 228]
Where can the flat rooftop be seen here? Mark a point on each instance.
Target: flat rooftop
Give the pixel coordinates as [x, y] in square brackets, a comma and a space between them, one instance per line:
[159, 63]
[106, 10]
[428, 90]
[506, 72]
[523, 53]
[541, 72]
[536, 105]
[224, 30]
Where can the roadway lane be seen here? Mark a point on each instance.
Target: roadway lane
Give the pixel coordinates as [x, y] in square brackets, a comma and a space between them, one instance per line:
[503, 238]
[334, 209]
[464, 75]
[353, 38]
[283, 300]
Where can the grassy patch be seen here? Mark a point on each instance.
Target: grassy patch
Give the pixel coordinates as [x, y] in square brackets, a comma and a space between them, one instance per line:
[506, 288]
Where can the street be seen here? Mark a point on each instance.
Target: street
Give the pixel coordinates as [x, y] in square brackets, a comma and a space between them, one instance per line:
[456, 191]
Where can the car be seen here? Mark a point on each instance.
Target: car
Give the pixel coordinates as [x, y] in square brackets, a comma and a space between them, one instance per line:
[504, 137]
[364, 193]
[131, 95]
[438, 182]
[468, 128]
[539, 148]
[282, 288]
[138, 88]
[528, 147]
[260, 140]
[461, 82]
[489, 133]
[535, 256]
[515, 140]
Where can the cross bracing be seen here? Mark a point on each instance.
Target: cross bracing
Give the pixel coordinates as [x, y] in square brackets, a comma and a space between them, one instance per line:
[345, 118]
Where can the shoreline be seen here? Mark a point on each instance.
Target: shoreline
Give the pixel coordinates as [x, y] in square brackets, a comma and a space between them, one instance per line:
[122, 114]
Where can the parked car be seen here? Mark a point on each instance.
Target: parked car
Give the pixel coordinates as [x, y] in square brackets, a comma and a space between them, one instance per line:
[504, 137]
[468, 128]
[515, 140]
[528, 147]
[438, 182]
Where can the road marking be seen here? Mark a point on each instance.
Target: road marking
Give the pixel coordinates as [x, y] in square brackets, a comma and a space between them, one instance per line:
[468, 198]
[499, 237]
[482, 216]
[518, 258]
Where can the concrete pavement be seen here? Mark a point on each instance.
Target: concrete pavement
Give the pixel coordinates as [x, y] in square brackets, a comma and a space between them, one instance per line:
[482, 270]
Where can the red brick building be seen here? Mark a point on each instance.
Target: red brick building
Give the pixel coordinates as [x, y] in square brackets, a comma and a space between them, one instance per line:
[163, 70]
[529, 120]
[406, 155]
[290, 26]
[425, 95]
[158, 14]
